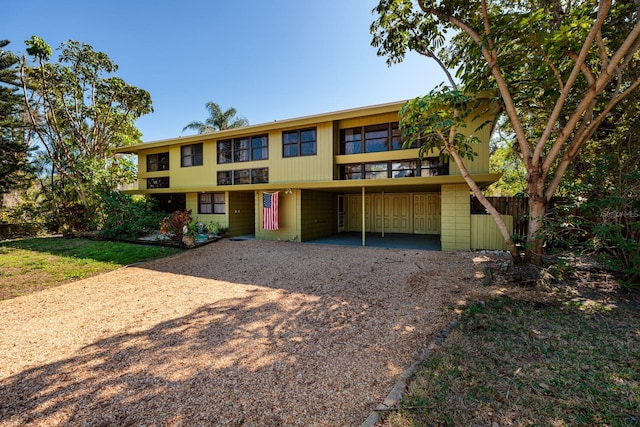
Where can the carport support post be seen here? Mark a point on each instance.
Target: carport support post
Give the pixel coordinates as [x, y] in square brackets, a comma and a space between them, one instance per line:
[382, 214]
[363, 219]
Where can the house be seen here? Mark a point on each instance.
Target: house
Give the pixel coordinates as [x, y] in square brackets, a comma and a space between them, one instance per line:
[329, 173]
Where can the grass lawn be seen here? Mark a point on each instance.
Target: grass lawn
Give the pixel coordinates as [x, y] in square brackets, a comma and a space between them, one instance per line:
[557, 362]
[29, 265]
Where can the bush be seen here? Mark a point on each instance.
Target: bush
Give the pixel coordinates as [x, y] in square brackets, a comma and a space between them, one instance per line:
[173, 225]
[127, 216]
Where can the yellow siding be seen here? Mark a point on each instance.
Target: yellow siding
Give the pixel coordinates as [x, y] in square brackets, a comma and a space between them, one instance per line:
[302, 168]
[192, 203]
[289, 227]
[485, 233]
[456, 218]
[477, 126]
[368, 120]
[318, 214]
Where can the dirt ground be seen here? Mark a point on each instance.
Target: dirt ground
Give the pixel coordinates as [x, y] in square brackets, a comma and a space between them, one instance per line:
[250, 333]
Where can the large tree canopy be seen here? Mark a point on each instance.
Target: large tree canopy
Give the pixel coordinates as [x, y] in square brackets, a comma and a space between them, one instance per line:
[78, 112]
[560, 68]
[217, 120]
[14, 159]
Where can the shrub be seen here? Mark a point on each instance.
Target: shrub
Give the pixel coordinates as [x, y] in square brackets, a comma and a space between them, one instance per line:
[127, 216]
[173, 225]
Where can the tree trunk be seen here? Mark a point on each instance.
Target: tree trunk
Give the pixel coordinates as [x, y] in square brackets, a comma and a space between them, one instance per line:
[535, 239]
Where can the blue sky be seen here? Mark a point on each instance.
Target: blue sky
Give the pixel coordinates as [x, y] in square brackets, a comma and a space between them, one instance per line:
[271, 60]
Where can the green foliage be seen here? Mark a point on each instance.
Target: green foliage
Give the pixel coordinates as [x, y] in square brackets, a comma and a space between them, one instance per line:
[128, 216]
[436, 120]
[15, 168]
[78, 113]
[561, 69]
[218, 120]
[173, 225]
[38, 48]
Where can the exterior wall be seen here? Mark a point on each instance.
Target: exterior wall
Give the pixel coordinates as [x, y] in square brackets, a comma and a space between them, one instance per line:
[318, 214]
[485, 233]
[192, 203]
[477, 126]
[456, 218]
[240, 212]
[302, 168]
[289, 221]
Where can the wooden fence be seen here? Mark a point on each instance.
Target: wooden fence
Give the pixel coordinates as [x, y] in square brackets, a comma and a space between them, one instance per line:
[516, 207]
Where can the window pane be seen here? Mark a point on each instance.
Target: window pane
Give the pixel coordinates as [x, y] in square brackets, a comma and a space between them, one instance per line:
[218, 198]
[352, 171]
[432, 166]
[163, 161]
[376, 138]
[375, 170]
[152, 162]
[218, 208]
[396, 137]
[241, 177]
[308, 135]
[204, 204]
[196, 153]
[351, 141]
[224, 178]
[290, 150]
[290, 137]
[308, 148]
[224, 151]
[185, 155]
[158, 182]
[259, 146]
[241, 150]
[260, 176]
[404, 169]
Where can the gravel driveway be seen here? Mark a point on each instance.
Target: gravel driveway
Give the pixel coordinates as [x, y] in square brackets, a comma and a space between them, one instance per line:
[251, 333]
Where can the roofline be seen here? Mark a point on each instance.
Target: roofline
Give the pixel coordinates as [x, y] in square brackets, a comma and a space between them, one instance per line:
[262, 127]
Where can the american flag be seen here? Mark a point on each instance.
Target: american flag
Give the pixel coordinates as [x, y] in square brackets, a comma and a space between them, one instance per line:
[270, 219]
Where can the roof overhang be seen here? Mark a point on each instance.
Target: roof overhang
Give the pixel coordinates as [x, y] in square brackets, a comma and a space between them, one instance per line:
[398, 185]
[266, 127]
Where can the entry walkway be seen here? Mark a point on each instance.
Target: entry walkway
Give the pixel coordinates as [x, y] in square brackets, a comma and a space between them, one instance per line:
[425, 242]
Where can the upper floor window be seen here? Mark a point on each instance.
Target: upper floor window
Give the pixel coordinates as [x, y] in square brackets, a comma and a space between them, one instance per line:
[157, 162]
[211, 203]
[299, 143]
[191, 155]
[243, 149]
[431, 166]
[371, 139]
[162, 182]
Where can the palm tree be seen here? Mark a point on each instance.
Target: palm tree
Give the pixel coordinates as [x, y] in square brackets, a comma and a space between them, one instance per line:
[218, 120]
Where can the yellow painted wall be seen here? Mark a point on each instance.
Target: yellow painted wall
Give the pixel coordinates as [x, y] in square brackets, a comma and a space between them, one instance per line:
[456, 218]
[475, 127]
[289, 226]
[318, 214]
[241, 213]
[485, 233]
[221, 219]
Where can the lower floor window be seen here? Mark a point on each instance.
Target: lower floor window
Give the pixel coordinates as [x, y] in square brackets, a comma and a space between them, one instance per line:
[211, 203]
[162, 182]
[243, 176]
